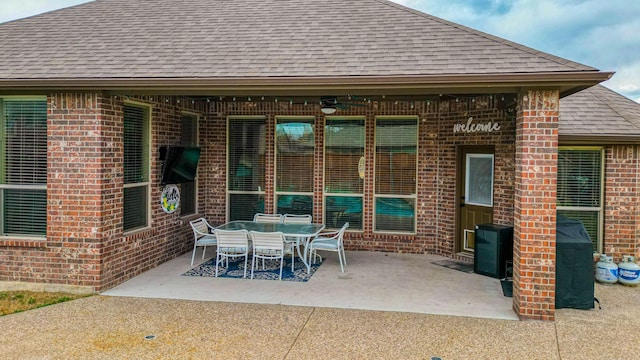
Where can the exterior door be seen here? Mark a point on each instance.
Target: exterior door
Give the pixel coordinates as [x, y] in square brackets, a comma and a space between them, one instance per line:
[475, 194]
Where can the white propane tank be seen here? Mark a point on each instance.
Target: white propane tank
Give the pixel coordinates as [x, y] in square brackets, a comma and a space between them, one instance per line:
[606, 270]
[628, 271]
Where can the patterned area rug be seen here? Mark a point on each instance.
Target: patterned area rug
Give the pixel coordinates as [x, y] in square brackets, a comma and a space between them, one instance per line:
[271, 270]
[455, 265]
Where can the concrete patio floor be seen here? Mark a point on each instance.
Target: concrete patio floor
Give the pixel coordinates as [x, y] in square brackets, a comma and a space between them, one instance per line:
[371, 281]
[112, 327]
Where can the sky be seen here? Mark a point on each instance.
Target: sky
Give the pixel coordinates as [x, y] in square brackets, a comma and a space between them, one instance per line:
[604, 34]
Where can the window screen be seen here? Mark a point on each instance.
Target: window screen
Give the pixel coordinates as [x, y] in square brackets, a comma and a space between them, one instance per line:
[188, 191]
[295, 146]
[23, 170]
[344, 172]
[395, 169]
[579, 192]
[136, 167]
[246, 167]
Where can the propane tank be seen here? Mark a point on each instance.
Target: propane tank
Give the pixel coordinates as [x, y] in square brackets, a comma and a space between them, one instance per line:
[606, 270]
[628, 271]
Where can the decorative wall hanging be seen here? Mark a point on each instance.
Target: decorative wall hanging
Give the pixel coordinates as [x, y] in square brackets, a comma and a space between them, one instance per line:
[170, 199]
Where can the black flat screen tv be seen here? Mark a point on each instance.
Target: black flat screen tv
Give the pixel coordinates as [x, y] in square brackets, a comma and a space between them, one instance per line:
[180, 164]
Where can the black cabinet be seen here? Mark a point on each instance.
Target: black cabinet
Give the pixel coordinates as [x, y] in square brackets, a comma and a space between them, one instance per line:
[493, 248]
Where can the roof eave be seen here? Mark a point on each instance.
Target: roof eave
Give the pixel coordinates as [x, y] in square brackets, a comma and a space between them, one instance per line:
[602, 139]
[566, 82]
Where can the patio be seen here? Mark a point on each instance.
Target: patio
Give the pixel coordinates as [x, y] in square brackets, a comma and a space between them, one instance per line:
[371, 281]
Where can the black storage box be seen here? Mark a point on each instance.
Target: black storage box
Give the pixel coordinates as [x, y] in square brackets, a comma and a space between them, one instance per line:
[493, 248]
[574, 265]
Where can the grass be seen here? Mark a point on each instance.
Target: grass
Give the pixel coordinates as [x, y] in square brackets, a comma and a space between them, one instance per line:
[17, 301]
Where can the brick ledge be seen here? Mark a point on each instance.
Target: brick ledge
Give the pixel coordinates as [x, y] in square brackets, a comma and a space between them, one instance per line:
[23, 243]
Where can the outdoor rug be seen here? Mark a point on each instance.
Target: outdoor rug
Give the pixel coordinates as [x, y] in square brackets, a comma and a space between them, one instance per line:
[455, 265]
[507, 287]
[271, 270]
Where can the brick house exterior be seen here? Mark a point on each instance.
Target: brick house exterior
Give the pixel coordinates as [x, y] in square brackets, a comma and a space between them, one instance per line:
[86, 248]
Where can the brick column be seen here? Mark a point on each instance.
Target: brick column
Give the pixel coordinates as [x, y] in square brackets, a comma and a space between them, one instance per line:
[83, 196]
[535, 205]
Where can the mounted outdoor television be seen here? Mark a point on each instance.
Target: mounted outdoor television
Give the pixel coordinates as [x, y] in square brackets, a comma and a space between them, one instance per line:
[180, 164]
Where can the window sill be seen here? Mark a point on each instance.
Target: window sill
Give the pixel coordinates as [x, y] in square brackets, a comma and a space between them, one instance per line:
[23, 243]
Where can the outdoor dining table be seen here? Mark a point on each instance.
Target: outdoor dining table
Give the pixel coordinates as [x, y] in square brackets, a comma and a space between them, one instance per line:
[299, 232]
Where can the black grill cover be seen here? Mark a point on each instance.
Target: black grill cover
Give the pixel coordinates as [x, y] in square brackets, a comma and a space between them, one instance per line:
[574, 265]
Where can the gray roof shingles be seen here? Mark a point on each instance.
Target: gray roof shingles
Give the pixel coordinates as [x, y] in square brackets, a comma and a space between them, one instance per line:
[255, 38]
[597, 112]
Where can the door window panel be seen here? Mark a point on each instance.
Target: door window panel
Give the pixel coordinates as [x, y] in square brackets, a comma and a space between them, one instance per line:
[479, 180]
[246, 167]
[396, 171]
[344, 172]
[295, 148]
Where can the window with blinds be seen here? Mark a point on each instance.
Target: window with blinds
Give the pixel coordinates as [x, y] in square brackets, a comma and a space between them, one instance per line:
[246, 167]
[295, 146]
[23, 169]
[396, 145]
[344, 165]
[580, 190]
[136, 167]
[188, 196]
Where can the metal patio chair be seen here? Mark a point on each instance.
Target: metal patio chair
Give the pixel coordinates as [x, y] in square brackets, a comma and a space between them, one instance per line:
[295, 219]
[267, 246]
[203, 236]
[271, 218]
[232, 244]
[330, 241]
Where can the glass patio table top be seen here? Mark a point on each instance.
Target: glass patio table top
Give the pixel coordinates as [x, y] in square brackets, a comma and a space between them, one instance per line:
[292, 230]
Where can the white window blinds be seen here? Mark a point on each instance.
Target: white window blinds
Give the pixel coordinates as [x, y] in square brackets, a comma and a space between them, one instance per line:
[23, 170]
[136, 167]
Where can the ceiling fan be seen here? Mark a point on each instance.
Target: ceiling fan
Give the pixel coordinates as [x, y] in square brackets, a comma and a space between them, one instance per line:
[329, 104]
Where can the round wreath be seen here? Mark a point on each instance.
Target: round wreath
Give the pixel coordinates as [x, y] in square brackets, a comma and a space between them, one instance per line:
[170, 199]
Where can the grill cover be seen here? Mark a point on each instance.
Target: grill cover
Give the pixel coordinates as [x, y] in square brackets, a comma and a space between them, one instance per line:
[574, 265]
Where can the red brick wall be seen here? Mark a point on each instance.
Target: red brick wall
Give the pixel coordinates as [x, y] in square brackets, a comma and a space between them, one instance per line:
[535, 205]
[169, 235]
[482, 110]
[622, 194]
[436, 159]
[85, 245]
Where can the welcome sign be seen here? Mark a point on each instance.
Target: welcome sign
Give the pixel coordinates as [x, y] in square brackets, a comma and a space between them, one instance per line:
[471, 127]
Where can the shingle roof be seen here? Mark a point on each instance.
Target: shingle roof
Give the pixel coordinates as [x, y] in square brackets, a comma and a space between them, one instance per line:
[255, 38]
[598, 112]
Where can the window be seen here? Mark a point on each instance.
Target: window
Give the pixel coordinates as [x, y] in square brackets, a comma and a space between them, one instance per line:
[479, 180]
[246, 167]
[396, 145]
[136, 167]
[23, 169]
[344, 163]
[295, 145]
[189, 193]
[580, 191]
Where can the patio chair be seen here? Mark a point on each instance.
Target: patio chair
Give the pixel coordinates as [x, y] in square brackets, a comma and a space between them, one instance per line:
[232, 244]
[267, 246]
[330, 241]
[203, 236]
[295, 219]
[260, 217]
